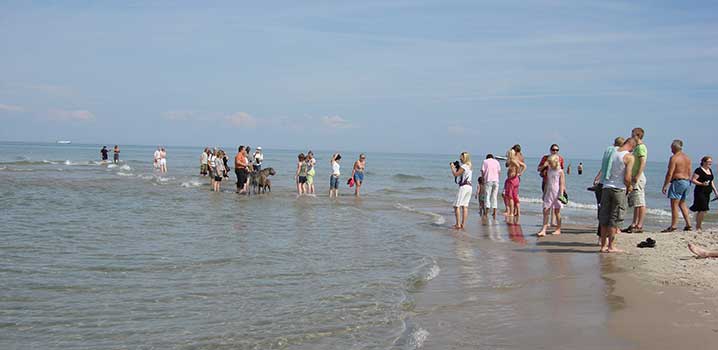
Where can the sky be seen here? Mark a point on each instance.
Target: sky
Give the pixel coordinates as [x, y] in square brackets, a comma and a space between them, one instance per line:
[390, 76]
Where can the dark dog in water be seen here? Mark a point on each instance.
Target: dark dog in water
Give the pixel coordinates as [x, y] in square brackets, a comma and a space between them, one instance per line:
[260, 180]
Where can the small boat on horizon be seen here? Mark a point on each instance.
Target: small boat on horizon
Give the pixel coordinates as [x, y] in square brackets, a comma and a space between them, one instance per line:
[64, 142]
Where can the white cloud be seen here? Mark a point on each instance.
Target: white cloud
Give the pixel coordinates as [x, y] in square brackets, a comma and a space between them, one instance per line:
[10, 108]
[336, 122]
[70, 115]
[242, 120]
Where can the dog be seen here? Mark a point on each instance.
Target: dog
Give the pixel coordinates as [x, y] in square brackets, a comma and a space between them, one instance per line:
[259, 180]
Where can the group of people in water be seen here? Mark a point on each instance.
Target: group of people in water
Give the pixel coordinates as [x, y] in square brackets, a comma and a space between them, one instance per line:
[104, 154]
[305, 172]
[619, 184]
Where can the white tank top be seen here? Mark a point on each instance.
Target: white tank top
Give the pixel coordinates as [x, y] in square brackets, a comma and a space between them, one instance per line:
[618, 170]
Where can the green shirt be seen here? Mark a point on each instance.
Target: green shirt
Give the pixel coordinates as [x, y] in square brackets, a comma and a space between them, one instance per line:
[641, 151]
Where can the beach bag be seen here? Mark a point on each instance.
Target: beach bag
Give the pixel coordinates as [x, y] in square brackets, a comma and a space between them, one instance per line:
[350, 182]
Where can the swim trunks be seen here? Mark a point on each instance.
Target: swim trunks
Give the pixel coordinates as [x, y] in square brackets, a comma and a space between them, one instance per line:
[679, 189]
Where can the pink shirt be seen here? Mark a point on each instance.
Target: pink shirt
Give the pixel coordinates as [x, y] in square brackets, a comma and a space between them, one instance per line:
[491, 168]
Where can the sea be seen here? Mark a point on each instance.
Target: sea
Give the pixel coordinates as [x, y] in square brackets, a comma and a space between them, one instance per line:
[97, 255]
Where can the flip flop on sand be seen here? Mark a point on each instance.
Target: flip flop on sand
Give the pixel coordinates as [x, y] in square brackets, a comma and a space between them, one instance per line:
[648, 243]
[688, 228]
[670, 229]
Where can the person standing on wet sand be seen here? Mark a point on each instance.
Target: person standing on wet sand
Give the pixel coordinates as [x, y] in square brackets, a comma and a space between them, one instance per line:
[103, 153]
[676, 185]
[637, 197]
[515, 168]
[613, 197]
[463, 197]
[555, 187]
[703, 180]
[117, 154]
[543, 168]
[491, 171]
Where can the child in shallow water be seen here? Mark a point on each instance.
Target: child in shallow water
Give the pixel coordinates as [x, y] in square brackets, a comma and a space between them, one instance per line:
[481, 194]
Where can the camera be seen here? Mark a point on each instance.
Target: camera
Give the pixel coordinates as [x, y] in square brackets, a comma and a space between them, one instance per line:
[457, 164]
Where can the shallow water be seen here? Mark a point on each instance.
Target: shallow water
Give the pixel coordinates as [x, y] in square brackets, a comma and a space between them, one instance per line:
[105, 256]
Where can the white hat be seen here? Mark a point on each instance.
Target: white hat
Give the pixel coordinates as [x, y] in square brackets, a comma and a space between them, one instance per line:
[259, 148]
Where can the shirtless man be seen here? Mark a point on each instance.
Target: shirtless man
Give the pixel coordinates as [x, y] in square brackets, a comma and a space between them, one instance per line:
[677, 184]
[613, 195]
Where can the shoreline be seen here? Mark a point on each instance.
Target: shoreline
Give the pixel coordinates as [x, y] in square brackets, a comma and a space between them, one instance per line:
[661, 297]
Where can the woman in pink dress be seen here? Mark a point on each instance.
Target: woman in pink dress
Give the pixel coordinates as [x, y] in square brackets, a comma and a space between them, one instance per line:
[555, 187]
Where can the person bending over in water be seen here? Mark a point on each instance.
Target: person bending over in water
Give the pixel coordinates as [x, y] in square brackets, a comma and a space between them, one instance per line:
[358, 173]
[463, 197]
[702, 253]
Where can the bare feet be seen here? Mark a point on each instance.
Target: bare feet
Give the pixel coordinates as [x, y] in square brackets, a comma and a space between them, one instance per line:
[541, 233]
[604, 250]
[614, 250]
[457, 227]
[557, 232]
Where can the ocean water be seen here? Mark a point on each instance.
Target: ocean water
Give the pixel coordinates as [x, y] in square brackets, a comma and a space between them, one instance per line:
[110, 256]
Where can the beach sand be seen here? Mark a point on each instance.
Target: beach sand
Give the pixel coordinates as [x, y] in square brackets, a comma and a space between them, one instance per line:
[664, 298]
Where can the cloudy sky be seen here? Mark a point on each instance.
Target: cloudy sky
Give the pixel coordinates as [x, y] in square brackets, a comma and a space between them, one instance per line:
[404, 76]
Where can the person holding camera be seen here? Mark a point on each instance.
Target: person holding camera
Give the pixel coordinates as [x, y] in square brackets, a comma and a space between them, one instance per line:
[462, 170]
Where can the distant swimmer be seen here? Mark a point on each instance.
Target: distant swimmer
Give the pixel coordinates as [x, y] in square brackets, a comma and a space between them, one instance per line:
[117, 154]
[104, 152]
[580, 168]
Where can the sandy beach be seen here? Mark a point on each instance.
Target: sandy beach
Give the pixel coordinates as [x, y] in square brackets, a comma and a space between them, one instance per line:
[665, 298]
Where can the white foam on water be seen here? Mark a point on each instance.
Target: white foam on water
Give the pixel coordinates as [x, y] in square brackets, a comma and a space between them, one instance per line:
[433, 271]
[125, 167]
[192, 183]
[145, 177]
[658, 212]
[125, 174]
[162, 180]
[437, 219]
[67, 162]
[418, 337]
[110, 166]
[49, 162]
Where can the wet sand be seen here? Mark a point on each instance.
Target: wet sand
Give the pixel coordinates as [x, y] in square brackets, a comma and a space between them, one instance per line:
[663, 297]
[506, 288]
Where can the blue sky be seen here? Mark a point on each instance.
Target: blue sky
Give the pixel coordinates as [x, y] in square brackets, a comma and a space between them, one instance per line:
[403, 76]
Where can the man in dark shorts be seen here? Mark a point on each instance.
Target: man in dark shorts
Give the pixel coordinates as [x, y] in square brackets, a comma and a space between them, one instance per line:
[117, 154]
[104, 151]
[240, 169]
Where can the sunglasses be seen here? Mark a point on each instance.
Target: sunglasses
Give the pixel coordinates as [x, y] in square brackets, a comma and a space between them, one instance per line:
[554, 150]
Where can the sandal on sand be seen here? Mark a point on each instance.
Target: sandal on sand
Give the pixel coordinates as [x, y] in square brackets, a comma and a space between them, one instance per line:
[637, 230]
[670, 229]
[688, 228]
[629, 229]
[648, 243]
